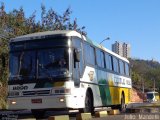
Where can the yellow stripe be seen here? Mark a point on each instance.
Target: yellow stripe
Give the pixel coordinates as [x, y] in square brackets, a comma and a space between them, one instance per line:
[116, 93]
[58, 84]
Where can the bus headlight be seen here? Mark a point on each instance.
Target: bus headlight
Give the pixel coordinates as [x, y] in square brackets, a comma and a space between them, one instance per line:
[61, 99]
[13, 102]
[13, 93]
[61, 91]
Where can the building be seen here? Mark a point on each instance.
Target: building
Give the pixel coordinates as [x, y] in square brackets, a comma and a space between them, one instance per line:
[121, 49]
[126, 50]
[117, 48]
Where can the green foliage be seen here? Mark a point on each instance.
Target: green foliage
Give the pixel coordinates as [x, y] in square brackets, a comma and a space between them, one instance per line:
[145, 71]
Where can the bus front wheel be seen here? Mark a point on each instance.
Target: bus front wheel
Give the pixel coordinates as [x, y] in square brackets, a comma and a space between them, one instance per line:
[88, 104]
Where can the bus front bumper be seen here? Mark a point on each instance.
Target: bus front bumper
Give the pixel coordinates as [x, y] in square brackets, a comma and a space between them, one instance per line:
[45, 102]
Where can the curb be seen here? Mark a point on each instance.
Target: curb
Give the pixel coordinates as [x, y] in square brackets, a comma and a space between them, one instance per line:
[114, 112]
[83, 116]
[61, 117]
[101, 114]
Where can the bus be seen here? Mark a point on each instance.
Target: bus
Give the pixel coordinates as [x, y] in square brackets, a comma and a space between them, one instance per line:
[152, 96]
[64, 70]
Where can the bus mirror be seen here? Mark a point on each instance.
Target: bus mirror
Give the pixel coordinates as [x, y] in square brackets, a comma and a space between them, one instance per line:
[77, 56]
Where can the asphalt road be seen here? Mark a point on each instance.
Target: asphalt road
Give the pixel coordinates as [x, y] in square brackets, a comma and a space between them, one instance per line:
[143, 114]
[124, 116]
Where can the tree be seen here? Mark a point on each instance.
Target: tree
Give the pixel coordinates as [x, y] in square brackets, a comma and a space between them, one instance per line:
[145, 70]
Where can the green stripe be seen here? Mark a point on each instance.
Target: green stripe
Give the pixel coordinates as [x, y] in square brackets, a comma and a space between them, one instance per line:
[105, 92]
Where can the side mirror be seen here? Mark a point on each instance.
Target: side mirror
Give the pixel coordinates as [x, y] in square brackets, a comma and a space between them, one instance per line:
[77, 55]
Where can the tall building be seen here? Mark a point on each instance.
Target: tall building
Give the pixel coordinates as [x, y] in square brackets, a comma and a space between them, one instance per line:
[121, 49]
[126, 50]
[117, 48]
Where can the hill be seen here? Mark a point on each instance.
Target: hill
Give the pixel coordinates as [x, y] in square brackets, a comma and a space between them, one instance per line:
[144, 73]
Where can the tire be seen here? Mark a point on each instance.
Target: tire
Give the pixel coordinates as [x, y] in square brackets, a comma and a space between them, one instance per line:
[88, 104]
[123, 105]
[38, 113]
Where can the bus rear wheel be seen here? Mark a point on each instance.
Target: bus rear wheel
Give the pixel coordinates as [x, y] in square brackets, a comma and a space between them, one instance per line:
[123, 105]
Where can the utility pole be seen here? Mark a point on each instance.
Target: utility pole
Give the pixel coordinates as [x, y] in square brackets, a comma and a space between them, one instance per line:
[142, 82]
[154, 85]
[142, 85]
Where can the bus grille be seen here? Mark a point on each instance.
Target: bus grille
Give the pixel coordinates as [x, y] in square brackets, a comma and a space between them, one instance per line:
[40, 92]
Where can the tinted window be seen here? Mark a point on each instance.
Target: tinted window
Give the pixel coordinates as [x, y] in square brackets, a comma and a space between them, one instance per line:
[87, 53]
[127, 69]
[92, 55]
[53, 62]
[115, 64]
[98, 57]
[77, 45]
[103, 65]
[109, 61]
[22, 64]
[39, 43]
[121, 64]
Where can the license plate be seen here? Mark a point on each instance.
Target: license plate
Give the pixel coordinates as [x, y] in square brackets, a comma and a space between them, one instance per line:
[36, 100]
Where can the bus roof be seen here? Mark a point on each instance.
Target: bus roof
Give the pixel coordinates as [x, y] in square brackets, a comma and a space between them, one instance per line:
[40, 35]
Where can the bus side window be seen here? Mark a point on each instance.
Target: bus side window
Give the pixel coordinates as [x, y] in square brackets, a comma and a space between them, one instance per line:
[127, 69]
[98, 58]
[103, 63]
[92, 56]
[109, 61]
[78, 49]
[86, 53]
[115, 64]
[121, 64]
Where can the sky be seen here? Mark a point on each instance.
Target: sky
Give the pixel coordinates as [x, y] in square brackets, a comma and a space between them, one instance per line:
[136, 22]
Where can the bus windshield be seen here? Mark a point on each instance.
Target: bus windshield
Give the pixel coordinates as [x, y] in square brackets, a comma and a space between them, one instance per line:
[150, 96]
[52, 62]
[22, 64]
[39, 59]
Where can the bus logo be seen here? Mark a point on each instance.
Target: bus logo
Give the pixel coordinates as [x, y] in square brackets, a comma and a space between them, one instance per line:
[91, 75]
[20, 87]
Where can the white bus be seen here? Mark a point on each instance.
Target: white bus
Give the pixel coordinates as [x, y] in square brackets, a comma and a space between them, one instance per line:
[57, 70]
